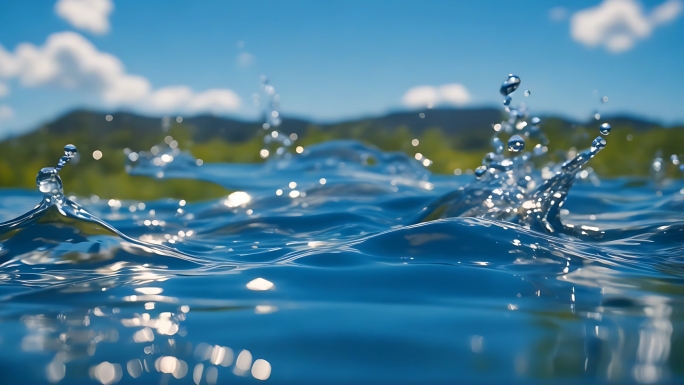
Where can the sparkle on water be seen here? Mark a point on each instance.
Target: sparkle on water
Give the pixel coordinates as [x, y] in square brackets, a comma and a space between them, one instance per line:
[343, 263]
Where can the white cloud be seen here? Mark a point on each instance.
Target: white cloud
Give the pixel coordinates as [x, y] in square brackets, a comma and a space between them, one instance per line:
[89, 15]
[558, 14]
[428, 96]
[181, 98]
[619, 24]
[6, 112]
[4, 90]
[68, 60]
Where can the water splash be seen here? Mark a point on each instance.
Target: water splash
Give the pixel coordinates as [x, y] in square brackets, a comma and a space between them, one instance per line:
[56, 210]
[161, 159]
[512, 189]
[276, 143]
[48, 180]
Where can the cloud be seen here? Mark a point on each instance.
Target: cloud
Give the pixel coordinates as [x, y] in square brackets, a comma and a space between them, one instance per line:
[89, 15]
[6, 112]
[558, 14]
[68, 60]
[4, 90]
[428, 96]
[619, 24]
[185, 99]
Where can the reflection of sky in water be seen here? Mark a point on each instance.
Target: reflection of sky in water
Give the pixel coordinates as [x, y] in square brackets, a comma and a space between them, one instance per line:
[159, 338]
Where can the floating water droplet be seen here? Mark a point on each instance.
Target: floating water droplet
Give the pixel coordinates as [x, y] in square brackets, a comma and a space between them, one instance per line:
[480, 171]
[498, 145]
[604, 99]
[516, 143]
[507, 101]
[69, 152]
[527, 93]
[535, 121]
[598, 143]
[510, 85]
[604, 129]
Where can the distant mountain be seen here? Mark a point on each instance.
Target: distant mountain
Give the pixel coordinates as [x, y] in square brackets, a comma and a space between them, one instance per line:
[454, 139]
[207, 127]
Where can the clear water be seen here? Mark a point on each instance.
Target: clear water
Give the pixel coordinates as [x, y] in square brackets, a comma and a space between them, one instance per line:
[345, 264]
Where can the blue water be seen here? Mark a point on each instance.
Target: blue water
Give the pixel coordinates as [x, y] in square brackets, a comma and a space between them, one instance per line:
[341, 278]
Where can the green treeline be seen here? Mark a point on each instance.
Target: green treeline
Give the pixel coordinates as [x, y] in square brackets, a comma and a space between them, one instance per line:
[629, 152]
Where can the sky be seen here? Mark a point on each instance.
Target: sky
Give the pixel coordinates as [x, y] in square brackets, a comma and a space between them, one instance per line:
[337, 60]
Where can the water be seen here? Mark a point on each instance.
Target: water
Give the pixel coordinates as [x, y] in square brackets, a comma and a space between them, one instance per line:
[345, 264]
[604, 129]
[516, 143]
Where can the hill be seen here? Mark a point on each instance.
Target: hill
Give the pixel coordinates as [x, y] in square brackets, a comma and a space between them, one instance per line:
[452, 138]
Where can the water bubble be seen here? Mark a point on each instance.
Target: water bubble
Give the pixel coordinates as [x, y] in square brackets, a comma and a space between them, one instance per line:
[527, 93]
[598, 143]
[516, 143]
[604, 129]
[604, 99]
[510, 85]
[480, 171]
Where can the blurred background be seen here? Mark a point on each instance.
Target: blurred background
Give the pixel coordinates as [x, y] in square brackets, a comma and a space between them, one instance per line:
[120, 77]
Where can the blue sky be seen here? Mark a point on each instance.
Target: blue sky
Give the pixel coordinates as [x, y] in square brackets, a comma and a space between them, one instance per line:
[332, 60]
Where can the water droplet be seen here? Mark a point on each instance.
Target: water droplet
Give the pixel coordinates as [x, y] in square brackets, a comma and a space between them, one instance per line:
[48, 181]
[480, 171]
[598, 143]
[604, 129]
[69, 152]
[527, 93]
[516, 143]
[498, 145]
[536, 121]
[510, 85]
[604, 99]
[674, 159]
[507, 101]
